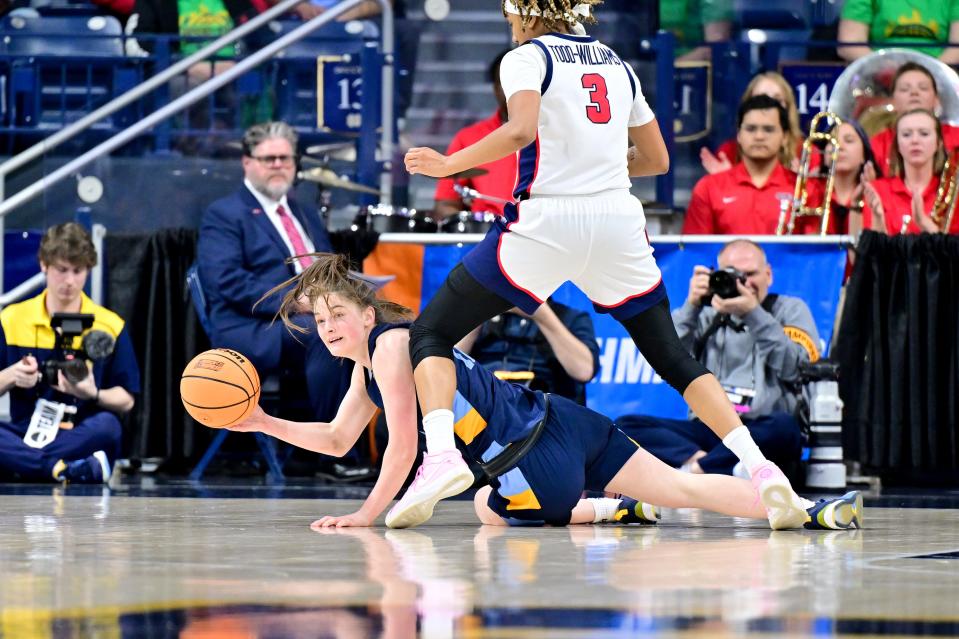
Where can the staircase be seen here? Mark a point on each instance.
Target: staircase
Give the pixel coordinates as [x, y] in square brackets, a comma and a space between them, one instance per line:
[451, 88]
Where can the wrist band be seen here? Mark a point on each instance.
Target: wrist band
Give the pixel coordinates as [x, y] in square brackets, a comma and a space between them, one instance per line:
[96, 397]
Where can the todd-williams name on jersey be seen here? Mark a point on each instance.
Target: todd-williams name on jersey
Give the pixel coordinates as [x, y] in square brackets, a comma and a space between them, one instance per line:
[583, 54]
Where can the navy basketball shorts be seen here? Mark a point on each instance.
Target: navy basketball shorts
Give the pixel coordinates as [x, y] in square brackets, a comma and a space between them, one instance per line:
[578, 450]
[598, 242]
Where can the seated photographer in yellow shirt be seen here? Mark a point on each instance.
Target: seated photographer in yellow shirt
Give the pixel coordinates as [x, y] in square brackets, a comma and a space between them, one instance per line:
[69, 367]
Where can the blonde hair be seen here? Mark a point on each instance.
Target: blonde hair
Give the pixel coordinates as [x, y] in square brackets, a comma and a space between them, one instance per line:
[792, 137]
[555, 14]
[897, 166]
[328, 275]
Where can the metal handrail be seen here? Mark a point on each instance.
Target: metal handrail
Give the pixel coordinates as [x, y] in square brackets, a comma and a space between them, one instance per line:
[217, 81]
[209, 86]
[114, 105]
[23, 289]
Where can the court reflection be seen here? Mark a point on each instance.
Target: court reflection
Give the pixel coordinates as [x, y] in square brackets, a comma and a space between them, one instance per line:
[434, 582]
[430, 584]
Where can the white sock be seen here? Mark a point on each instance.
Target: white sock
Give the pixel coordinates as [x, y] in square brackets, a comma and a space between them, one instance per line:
[438, 426]
[806, 503]
[741, 443]
[604, 508]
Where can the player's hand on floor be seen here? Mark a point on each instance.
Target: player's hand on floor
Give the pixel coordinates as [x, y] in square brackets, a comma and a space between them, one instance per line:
[426, 161]
[341, 521]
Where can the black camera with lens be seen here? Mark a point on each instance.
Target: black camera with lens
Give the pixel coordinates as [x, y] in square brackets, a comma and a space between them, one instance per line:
[722, 282]
[94, 345]
[822, 370]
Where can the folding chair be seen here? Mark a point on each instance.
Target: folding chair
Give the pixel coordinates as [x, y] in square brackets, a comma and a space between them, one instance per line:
[269, 386]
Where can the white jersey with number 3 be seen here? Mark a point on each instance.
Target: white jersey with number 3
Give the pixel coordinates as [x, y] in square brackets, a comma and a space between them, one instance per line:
[590, 98]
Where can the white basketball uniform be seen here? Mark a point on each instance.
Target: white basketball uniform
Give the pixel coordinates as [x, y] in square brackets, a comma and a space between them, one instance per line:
[576, 219]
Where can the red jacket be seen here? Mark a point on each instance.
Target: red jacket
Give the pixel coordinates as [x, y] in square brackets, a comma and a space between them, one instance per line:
[897, 202]
[500, 180]
[727, 203]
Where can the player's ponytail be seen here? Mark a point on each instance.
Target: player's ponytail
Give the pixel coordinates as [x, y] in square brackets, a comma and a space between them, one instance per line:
[330, 274]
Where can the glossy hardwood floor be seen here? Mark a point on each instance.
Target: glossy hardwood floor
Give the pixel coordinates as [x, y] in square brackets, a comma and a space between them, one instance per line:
[234, 560]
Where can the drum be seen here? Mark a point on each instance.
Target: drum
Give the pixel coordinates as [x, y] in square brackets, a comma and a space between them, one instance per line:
[384, 218]
[469, 222]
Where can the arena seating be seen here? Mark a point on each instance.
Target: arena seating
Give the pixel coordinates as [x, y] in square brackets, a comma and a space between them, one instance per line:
[59, 68]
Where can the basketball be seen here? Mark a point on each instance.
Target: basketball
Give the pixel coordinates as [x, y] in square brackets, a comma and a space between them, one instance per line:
[219, 388]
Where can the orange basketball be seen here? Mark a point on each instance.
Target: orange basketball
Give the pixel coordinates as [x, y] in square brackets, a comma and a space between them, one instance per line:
[219, 388]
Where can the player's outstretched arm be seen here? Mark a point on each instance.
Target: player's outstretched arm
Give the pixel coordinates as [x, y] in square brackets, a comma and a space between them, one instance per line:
[648, 155]
[394, 376]
[518, 132]
[335, 438]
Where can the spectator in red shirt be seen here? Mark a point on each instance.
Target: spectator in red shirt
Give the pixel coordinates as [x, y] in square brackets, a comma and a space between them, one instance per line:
[744, 200]
[855, 165]
[775, 86]
[500, 180]
[913, 87]
[903, 202]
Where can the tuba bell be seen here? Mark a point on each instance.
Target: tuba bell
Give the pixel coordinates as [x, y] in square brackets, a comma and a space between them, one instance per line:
[864, 90]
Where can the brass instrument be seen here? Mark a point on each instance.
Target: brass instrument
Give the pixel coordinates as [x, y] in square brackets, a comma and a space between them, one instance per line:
[944, 208]
[797, 207]
[864, 89]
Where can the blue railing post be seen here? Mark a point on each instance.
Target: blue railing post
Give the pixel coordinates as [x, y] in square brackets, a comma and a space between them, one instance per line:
[162, 58]
[368, 164]
[663, 46]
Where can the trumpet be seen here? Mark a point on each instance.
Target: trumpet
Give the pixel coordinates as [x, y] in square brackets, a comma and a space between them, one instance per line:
[791, 210]
[944, 208]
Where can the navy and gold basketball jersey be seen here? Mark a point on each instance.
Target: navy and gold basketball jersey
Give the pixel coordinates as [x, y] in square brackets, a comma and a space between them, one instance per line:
[488, 413]
[578, 448]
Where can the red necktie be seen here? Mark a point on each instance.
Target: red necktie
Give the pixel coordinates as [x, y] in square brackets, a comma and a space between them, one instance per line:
[299, 247]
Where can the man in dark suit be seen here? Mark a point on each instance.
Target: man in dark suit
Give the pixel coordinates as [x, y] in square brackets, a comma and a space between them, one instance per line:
[245, 242]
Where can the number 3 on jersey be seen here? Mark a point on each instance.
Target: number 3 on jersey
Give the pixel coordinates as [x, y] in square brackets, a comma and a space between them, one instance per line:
[598, 109]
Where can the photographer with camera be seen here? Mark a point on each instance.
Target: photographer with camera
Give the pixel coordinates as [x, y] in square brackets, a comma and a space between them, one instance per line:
[554, 350]
[755, 343]
[69, 367]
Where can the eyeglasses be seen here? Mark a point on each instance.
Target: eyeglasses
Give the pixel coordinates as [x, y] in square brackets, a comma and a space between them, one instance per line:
[268, 160]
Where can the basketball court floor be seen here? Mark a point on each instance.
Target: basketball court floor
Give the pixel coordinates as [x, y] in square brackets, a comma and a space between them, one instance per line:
[231, 560]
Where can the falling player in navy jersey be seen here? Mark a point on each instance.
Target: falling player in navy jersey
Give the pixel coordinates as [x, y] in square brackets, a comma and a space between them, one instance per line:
[574, 107]
[538, 451]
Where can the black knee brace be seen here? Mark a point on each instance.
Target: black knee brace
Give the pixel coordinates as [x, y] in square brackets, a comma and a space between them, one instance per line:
[426, 341]
[461, 304]
[654, 334]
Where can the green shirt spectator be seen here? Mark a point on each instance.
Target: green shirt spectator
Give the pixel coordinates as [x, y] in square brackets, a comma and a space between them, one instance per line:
[204, 19]
[695, 22]
[891, 22]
